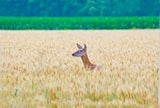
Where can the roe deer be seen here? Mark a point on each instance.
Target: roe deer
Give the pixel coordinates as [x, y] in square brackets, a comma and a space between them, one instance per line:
[82, 52]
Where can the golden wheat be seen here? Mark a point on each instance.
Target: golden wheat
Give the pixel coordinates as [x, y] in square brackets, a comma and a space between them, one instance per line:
[38, 69]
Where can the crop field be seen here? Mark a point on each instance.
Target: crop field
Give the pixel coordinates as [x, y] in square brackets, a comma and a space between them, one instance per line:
[37, 69]
[65, 23]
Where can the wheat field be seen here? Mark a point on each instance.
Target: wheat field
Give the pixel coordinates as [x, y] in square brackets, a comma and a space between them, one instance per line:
[38, 71]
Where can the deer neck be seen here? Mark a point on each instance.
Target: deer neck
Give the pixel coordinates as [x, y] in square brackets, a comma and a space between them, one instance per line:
[87, 63]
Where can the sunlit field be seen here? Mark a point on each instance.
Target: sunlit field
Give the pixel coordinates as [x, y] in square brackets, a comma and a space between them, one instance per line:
[38, 70]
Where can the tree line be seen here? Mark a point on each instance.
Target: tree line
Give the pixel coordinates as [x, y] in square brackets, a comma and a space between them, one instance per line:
[61, 8]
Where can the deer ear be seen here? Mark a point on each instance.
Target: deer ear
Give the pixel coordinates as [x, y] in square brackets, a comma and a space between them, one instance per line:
[85, 47]
[79, 46]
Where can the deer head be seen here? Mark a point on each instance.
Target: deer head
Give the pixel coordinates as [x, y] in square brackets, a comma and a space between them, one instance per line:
[81, 51]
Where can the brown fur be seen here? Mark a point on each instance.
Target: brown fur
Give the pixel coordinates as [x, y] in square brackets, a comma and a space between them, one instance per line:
[87, 63]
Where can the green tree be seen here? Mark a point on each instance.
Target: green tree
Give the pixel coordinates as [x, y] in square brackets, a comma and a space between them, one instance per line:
[79, 7]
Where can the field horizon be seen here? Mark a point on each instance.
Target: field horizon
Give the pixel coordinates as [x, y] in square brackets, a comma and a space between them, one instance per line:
[38, 70]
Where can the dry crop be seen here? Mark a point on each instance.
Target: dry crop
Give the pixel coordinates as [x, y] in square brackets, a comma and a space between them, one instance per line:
[38, 71]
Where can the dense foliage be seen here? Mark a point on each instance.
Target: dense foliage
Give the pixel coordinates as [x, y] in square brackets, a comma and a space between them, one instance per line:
[15, 23]
[79, 7]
